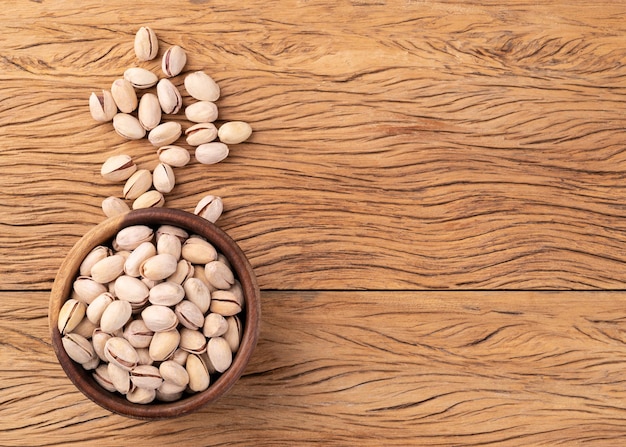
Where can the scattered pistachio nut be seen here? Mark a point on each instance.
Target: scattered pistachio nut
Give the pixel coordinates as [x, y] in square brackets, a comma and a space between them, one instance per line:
[201, 112]
[149, 112]
[102, 106]
[209, 207]
[124, 95]
[146, 44]
[174, 59]
[150, 199]
[137, 184]
[129, 127]
[118, 168]
[140, 78]
[234, 132]
[202, 87]
[165, 133]
[163, 178]
[211, 153]
[169, 97]
[200, 133]
[114, 206]
[174, 156]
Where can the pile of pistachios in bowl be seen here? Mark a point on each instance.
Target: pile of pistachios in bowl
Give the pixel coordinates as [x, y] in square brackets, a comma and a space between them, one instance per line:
[139, 104]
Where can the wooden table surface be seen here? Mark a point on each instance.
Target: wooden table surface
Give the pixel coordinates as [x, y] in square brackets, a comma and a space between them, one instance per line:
[433, 201]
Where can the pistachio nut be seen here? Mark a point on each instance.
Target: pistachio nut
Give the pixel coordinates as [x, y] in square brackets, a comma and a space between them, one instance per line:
[233, 333]
[84, 328]
[114, 206]
[118, 168]
[200, 133]
[219, 275]
[144, 356]
[174, 59]
[202, 87]
[101, 376]
[175, 156]
[198, 293]
[140, 77]
[165, 133]
[159, 318]
[149, 199]
[234, 132]
[184, 271]
[138, 334]
[115, 316]
[222, 258]
[99, 340]
[78, 348]
[142, 252]
[193, 341]
[149, 112]
[164, 344]
[219, 354]
[199, 378]
[107, 269]
[119, 352]
[146, 44]
[169, 387]
[98, 306]
[211, 153]
[86, 289]
[129, 127]
[71, 314]
[169, 243]
[225, 303]
[96, 254]
[169, 96]
[168, 397]
[150, 283]
[119, 377]
[132, 290]
[158, 266]
[167, 293]
[201, 112]
[124, 95]
[215, 325]
[146, 376]
[237, 290]
[141, 395]
[163, 178]
[132, 236]
[198, 251]
[91, 364]
[174, 373]
[173, 230]
[210, 207]
[137, 184]
[180, 356]
[189, 315]
[102, 106]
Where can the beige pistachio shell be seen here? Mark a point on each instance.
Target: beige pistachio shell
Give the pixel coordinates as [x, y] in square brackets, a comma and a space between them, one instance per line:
[193, 341]
[174, 60]
[234, 132]
[198, 251]
[146, 44]
[175, 156]
[71, 314]
[174, 373]
[78, 348]
[225, 303]
[101, 376]
[141, 396]
[119, 352]
[199, 378]
[118, 168]
[202, 87]
[138, 334]
[137, 184]
[131, 289]
[108, 269]
[200, 133]
[234, 332]
[219, 354]
[98, 306]
[184, 271]
[129, 127]
[146, 376]
[189, 315]
[215, 325]
[210, 207]
[149, 113]
[96, 254]
[211, 153]
[167, 293]
[149, 199]
[169, 96]
[164, 344]
[201, 112]
[159, 318]
[165, 133]
[163, 178]
[102, 106]
[115, 316]
[119, 377]
[169, 243]
[131, 237]
[198, 293]
[158, 267]
[86, 289]
[219, 275]
[140, 78]
[114, 206]
[124, 95]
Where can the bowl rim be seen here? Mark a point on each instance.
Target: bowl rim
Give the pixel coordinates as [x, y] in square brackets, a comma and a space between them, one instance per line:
[101, 234]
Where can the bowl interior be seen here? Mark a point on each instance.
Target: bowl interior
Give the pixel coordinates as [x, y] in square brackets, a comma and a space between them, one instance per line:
[250, 316]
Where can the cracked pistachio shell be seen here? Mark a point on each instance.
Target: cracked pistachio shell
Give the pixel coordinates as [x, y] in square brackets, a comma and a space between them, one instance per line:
[174, 60]
[119, 377]
[169, 96]
[146, 44]
[131, 237]
[107, 269]
[131, 289]
[193, 341]
[201, 112]
[96, 254]
[149, 199]
[234, 132]
[173, 230]
[138, 334]
[158, 267]
[210, 208]
[142, 252]
[202, 87]
[129, 127]
[159, 318]
[146, 376]
[198, 251]
[219, 354]
[211, 153]
[163, 178]
[137, 184]
[165, 133]
[114, 206]
[167, 293]
[175, 156]
[85, 328]
[174, 373]
[149, 113]
[189, 315]
[86, 289]
[198, 293]
[99, 340]
[101, 376]
[184, 271]
[119, 352]
[168, 243]
[225, 303]
[91, 364]
[215, 325]
[141, 396]
[163, 345]
[71, 314]
[78, 348]
[102, 106]
[98, 306]
[200, 133]
[199, 378]
[140, 77]
[124, 95]
[115, 316]
[219, 275]
[118, 168]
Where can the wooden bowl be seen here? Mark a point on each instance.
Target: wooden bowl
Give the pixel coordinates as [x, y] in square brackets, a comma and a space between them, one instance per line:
[250, 316]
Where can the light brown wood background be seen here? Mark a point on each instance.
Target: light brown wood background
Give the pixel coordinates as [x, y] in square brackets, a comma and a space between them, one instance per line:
[432, 200]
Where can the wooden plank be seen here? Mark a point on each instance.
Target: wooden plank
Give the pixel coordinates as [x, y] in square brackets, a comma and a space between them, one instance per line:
[399, 146]
[340, 368]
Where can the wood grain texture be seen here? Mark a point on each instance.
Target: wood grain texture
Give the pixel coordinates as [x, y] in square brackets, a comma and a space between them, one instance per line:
[403, 145]
[373, 368]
